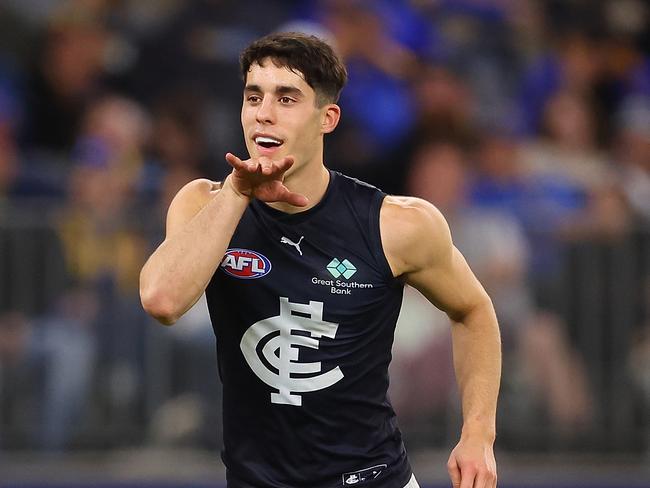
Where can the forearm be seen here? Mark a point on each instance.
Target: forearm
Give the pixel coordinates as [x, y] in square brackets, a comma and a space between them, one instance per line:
[477, 361]
[178, 272]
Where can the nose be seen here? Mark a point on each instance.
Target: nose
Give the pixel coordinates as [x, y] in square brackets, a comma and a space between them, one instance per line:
[265, 112]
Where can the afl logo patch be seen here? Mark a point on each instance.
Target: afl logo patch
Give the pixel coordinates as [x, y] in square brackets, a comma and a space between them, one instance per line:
[245, 264]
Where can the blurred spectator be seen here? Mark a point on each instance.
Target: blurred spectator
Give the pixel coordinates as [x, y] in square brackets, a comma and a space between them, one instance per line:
[180, 143]
[68, 73]
[203, 38]
[95, 314]
[379, 42]
[104, 245]
[571, 192]
[596, 55]
[444, 114]
[476, 39]
[568, 147]
[569, 159]
[499, 179]
[445, 106]
[573, 65]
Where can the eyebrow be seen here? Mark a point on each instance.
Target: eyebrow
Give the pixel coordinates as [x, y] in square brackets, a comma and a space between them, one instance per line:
[279, 90]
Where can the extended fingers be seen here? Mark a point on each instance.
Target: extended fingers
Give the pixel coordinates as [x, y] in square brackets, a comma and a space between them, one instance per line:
[275, 191]
[285, 163]
[296, 199]
[263, 165]
[235, 162]
[250, 166]
[271, 167]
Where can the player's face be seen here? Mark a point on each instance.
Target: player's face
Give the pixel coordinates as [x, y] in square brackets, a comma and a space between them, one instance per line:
[280, 116]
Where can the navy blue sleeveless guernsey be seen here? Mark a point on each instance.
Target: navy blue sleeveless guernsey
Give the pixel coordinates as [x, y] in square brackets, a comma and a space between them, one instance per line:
[304, 308]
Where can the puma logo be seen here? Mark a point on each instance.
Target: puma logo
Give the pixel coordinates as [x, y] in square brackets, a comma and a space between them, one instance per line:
[286, 240]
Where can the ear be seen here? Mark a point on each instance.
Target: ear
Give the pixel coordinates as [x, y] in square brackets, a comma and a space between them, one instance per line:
[331, 117]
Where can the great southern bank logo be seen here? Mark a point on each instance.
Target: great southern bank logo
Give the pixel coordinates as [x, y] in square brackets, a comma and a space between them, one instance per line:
[245, 264]
[344, 268]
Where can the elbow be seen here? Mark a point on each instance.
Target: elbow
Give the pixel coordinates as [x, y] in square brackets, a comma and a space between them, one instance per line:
[159, 307]
[482, 308]
[486, 304]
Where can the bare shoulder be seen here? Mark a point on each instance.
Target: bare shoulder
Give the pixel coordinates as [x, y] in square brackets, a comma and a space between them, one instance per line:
[413, 233]
[189, 200]
[195, 194]
[197, 190]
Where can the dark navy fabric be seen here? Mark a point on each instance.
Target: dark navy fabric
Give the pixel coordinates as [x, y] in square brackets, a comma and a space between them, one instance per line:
[304, 308]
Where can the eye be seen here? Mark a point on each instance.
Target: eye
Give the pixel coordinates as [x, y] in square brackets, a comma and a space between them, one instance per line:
[254, 99]
[286, 100]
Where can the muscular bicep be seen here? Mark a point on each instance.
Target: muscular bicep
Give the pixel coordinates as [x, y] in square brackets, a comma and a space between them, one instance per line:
[449, 284]
[420, 249]
[188, 202]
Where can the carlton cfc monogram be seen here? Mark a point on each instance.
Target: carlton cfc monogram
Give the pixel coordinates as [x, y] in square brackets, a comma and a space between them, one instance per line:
[280, 350]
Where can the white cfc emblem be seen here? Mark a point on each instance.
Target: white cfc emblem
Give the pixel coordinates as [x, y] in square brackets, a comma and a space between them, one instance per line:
[280, 351]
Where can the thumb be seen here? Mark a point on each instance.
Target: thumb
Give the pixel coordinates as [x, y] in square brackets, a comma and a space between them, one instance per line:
[291, 198]
[454, 471]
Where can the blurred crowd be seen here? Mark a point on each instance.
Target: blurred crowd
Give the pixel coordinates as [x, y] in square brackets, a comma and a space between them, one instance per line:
[527, 122]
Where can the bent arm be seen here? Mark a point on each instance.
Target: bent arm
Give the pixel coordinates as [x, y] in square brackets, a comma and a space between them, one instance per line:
[200, 223]
[419, 247]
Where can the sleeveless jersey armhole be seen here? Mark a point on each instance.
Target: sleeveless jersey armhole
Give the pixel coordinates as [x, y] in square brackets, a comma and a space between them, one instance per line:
[375, 236]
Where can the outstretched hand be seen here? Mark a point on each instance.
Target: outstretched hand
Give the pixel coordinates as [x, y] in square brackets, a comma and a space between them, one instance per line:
[262, 178]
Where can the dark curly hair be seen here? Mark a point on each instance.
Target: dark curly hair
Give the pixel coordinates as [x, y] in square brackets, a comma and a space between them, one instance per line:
[310, 56]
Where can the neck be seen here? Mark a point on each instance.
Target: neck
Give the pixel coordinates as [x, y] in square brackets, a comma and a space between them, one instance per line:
[311, 181]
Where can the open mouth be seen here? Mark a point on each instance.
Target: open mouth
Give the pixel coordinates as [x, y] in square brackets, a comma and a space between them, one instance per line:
[268, 142]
